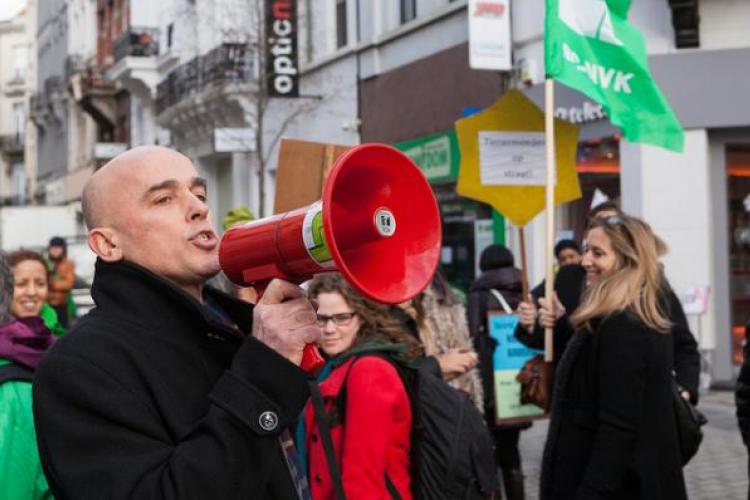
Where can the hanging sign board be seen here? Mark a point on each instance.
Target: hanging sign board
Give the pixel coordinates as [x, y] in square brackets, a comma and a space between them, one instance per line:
[489, 35]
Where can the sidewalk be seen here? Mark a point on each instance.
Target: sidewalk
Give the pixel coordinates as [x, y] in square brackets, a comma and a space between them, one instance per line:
[717, 472]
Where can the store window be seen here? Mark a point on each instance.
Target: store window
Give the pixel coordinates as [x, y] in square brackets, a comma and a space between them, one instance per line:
[738, 197]
[598, 166]
[341, 35]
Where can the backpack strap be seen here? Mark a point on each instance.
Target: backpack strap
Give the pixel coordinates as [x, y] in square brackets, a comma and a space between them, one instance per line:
[324, 429]
[503, 303]
[15, 372]
[391, 488]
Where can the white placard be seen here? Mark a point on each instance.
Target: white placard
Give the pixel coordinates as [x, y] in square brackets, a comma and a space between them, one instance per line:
[489, 35]
[512, 158]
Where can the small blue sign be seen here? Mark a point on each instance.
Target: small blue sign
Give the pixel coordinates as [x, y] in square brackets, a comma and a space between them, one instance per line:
[510, 353]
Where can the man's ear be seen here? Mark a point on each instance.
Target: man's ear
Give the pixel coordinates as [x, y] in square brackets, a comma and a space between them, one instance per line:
[103, 241]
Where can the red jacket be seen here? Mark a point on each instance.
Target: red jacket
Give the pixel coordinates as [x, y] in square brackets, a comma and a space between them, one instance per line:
[374, 438]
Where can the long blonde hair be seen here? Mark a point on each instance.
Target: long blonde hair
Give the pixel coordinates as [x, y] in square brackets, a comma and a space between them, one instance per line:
[636, 280]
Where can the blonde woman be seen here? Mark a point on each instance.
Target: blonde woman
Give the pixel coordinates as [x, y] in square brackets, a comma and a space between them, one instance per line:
[612, 432]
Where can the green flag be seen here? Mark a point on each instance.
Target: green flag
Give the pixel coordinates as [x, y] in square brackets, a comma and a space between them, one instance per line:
[591, 47]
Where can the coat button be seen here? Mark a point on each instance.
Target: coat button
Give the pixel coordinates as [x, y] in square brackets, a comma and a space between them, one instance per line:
[314, 438]
[268, 421]
[318, 479]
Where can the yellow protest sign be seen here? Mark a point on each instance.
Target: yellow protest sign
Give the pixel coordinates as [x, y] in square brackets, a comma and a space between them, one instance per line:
[502, 158]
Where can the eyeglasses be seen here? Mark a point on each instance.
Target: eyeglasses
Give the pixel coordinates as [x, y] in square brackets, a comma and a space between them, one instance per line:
[340, 319]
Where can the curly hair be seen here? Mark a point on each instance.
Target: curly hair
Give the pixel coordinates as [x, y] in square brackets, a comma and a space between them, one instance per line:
[376, 319]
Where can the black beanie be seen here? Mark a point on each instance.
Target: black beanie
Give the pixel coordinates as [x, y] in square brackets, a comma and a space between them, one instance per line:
[495, 257]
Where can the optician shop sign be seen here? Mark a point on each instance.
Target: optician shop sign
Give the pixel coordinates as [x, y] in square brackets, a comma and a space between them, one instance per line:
[282, 67]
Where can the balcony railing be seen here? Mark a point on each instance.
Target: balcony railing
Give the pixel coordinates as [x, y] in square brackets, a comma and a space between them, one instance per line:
[92, 79]
[229, 62]
[12, 143]
[45, 104]
[137, 42]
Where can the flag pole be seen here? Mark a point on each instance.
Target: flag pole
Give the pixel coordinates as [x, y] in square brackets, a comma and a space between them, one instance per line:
[549, 136]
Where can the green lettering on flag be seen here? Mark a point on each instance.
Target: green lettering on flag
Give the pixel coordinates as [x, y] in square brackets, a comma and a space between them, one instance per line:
[591, 47]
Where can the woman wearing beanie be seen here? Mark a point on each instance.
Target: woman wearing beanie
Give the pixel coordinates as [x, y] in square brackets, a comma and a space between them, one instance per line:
[23, 341]
[498, 277]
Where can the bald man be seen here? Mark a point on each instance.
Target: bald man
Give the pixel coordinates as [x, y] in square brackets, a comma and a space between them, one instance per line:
[168, 388]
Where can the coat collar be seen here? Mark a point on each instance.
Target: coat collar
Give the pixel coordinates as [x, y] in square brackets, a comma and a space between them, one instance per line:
[129, 290]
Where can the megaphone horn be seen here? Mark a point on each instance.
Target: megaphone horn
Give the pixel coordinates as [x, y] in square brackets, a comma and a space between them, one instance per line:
[378, 224]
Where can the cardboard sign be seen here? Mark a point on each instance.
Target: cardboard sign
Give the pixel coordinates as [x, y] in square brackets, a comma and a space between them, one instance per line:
[508, 359]
[516, 113]
[302, 169]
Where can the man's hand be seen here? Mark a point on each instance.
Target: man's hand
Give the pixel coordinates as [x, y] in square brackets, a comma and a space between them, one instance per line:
[527, 314]
[455, 362]
[285, 321]
[550, 311]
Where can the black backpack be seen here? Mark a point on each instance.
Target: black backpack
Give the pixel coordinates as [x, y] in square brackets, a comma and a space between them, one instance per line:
[14, 372]
[451, 449]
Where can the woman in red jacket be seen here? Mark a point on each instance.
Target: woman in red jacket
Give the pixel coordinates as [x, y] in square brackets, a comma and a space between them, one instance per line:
[371, 439]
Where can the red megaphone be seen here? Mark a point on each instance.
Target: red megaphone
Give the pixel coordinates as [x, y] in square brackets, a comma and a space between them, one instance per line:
[378, 224]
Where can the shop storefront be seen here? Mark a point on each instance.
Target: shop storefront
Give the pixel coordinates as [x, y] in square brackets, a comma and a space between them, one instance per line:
[468, 226]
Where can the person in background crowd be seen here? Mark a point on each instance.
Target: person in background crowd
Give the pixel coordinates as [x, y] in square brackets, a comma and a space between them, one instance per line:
[62, 277]
[568, 252]
[169, 388]
[23, 341]
[742, 395]
[372, 438]
[498, 273]
[570, 284]
[437, 319]
[32, 289]
[612, 432]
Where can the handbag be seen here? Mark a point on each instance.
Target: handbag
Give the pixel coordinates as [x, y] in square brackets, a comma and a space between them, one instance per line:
[536, 382]
[536, 375]
[689, 422]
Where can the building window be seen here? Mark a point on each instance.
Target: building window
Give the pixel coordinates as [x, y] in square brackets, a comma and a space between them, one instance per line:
[408, 10]
[19, 115]
[20, 62]
[341, 35]
[170, 34]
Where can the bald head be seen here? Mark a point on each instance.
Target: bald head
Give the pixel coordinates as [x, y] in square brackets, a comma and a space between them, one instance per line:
[99, 200]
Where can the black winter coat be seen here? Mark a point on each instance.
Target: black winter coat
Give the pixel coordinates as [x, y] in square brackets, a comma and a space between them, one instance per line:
[149, 396]
[507, 281]
[742, 391]
[569, 286]
[612, 433]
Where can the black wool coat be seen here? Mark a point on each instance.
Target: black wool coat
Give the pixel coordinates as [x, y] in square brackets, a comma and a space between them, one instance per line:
[612, 430]
[149, 396]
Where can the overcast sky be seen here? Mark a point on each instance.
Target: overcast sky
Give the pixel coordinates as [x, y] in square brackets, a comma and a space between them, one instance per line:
[9, 8]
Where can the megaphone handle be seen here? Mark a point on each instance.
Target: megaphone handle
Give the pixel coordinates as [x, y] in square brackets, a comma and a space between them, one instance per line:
[312, 361]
